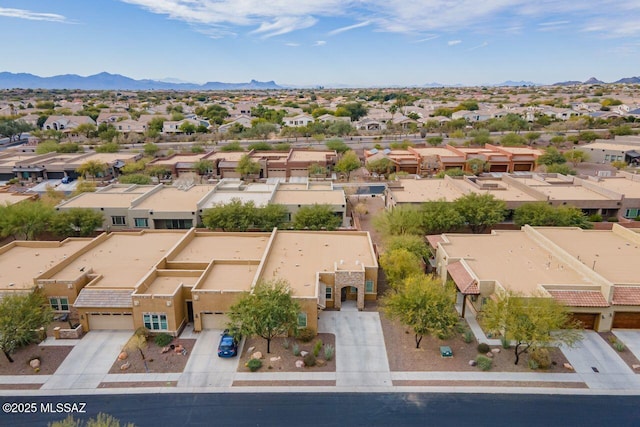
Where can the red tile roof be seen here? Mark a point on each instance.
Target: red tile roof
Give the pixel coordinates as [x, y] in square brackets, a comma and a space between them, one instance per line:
[579, 298]
[463, 280]
[626, 295]
[434, 240]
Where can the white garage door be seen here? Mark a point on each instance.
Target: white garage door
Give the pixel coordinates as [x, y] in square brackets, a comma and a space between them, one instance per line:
[214, 321]
[110, 321]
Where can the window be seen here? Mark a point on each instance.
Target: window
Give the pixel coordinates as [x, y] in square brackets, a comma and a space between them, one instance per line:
[632, 213]
[302, 320]
[59, 303]
[606, 157]
[329, 292]
[368, 286]
[155, 321]
[141, 222]
[118, 220]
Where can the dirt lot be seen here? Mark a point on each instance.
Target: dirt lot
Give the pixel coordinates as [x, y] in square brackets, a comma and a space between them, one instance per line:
[287, 358]
[50, 359]
[156, 361]
[403, 356]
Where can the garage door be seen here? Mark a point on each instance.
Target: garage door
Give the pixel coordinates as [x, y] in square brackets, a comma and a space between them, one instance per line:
[626, 320]
[214, 321]
[103, 321]
[588, 320]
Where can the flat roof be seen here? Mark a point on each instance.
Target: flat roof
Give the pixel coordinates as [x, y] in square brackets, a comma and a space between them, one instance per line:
[126, 188]
[123, 258]
[310, 156]
[230, 277]
[513, 259]
[110, 157]
[298, 256]
[12, 198]
[570, 192]
[205, 247]
[101, 200]
[613, 146]
[435, 151]
[229, 156]
[23, 261]
[607, 253]
[167, 285]
[180, 158]
[309, 197]
[171, 199]
[505, 191]
[422, 190]
[521, 150]
[630, 189]
[260, 199]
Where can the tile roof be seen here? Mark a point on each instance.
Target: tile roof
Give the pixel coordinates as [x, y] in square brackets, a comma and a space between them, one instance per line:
[434, 240]
[579, 298]
[463, 280]
[112, 298]
[626, 295]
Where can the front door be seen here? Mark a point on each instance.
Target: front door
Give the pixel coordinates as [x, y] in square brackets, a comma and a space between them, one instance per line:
[190, 311]
[343, 294]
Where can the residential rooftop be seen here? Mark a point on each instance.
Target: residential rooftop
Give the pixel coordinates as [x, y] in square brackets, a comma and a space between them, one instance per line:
[226, 276]
[170, 199]
[205, 247]
[309, 197]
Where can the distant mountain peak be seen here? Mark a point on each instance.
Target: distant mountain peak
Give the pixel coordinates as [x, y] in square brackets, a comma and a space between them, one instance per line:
[593, 81]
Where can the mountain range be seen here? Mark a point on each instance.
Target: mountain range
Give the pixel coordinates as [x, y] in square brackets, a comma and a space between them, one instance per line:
[107, 81]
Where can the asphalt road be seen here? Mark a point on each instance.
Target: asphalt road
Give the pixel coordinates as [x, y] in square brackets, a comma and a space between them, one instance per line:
[335, 409]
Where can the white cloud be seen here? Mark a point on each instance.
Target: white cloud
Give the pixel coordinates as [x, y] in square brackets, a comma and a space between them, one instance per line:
[32, 16]
[284, 25]
[320, 43]
[552, 23]
[426, 39]
[480, 46]
[292, 44]
[454, 42]
[349, 28]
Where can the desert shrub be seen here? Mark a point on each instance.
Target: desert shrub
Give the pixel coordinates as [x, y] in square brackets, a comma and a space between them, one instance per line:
[619, 346]
[285, 344]
[461, 327]
[533, 365]
[506, 344]
[329, 351]
[541, 357]
[595, 218]
[162, 340]
[142, 332]
[306, 334]
[612, 339]
[484, 362]
[613, 219]
[296, 350]
[309, 360]
[317, 347]
[468, 337]
[483, 348]
[254, 364]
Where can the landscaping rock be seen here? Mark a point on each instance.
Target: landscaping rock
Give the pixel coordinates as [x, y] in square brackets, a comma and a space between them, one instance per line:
[165, 350]
[256, 355]
[489, 355]
[299, 364]
[275, 359]
[495, 350]
[251, 349]
[125, 366]
[635, 367]
[568, 366]
[123, 355]
[34, 363]
[303, 353]
[472, 363]
[320, 362]
[178, 348]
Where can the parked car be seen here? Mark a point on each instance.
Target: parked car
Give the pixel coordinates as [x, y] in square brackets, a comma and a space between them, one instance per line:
[228, 346]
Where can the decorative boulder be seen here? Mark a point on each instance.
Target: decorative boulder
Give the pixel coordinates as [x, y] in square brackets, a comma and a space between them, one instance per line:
[34, 363]
[472, 363]
[123, 355]
[125, 366]
[251, 349]
[299, 364]
[635, 367]
[275, 359]
[165, 350]
[320, 362]
[495, 350]
[179, 348]
[568, 366]
[303, 353]
[490, 355]
[256, 355]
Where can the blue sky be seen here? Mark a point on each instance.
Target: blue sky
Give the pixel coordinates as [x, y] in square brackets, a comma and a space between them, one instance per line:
[312, 42]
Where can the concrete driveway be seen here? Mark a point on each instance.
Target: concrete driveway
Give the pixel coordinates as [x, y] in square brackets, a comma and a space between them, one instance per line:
[205, 368]
[612, 372]
[630, 338]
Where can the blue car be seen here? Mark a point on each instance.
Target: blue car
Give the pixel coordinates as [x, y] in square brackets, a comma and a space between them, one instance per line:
[228, 346]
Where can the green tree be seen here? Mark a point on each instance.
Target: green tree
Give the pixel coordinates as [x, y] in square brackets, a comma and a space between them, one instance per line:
[398, 264]
[542, 214]
[84, 186]
[76, 222]
[560, 168]
[25, 220]
[270, 216]
[89, 130]
[557, 140]
[435, 141]
[412, 243]
[233, 216]
[232, 146]
[338, 145]
[47, 147]
[400, 220]
[248, 166]
[476, 166]
[13, 128]
[551, 156]
[440, 216]
[383, 166]
[576, 156]
[424, 305]
[480, 211]
[354, 110]
[260, 146]
[107, 132]
[532, 137]
[108, 147]
[513, 139]
[156, 124]
[348, 163]
[21, 315]
[150, 149]
[268, 311]
[316, 217]
[187, 127]
[159, 171]
[316, 169]
[93, 168]
[203, 166]
[532, 322]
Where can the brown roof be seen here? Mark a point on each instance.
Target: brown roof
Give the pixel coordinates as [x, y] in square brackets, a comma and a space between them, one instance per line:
[626, 295]
[434, 240]
[463, 280]
[579, 298]
[112, 298]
